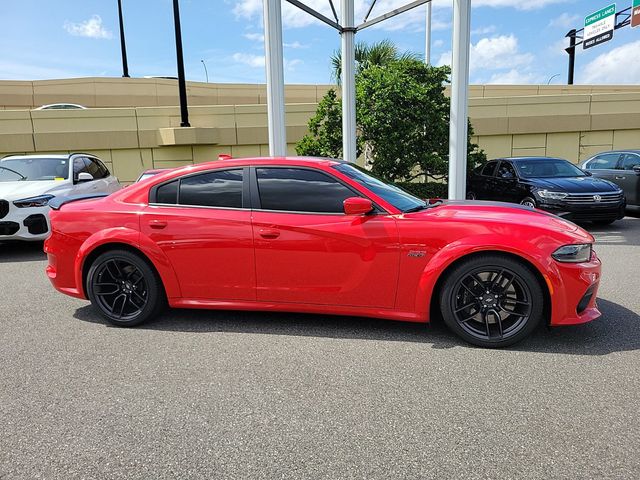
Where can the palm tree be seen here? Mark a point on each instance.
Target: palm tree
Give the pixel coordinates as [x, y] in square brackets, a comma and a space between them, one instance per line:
[380, 53]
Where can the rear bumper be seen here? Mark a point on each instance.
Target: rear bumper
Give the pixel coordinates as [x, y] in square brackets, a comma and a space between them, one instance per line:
[573, 299]
[61, 251]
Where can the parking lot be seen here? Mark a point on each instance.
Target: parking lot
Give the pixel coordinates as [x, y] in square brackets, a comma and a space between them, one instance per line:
[202, 394]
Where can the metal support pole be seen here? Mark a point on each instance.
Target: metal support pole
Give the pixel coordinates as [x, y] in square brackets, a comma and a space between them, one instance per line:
[182, 86]
[123, 46]
[349, 151]
[427, 45]
[275, 77]
[458, 128]
[572, 55]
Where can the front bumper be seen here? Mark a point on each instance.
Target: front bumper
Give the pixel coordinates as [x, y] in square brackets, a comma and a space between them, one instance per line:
[573, 293]
[584, 213]
[30, 223]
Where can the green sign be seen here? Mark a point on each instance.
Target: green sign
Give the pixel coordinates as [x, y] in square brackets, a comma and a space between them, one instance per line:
[599, 27]
[635, 13]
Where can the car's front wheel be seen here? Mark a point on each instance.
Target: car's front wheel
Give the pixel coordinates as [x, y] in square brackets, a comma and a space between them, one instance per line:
[124, 288]
[491, 300]
[528, 202]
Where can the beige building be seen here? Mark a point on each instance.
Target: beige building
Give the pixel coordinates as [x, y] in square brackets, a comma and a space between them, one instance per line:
[134, 123]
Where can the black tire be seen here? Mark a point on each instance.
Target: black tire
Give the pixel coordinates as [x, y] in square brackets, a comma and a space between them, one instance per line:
[471, 196]
[604, 223]
[502, 301]
[529, 202]
[124, 288]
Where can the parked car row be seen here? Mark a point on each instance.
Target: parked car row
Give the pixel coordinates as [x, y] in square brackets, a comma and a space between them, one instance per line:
[599, 193]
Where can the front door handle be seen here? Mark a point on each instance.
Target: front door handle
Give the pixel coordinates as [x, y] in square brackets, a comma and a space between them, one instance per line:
[620, 178]
[269, 233]
[157, 224]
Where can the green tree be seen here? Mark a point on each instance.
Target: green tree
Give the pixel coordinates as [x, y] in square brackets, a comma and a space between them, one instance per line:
[379, 53]
[402, 120]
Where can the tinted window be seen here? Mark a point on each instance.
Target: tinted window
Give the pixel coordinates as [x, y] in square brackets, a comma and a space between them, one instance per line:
[489, 168]
[547, 168]
[95, 168]
[79, 166]
[168, 193]
[506, 170]
[630, 160]
[213, 189]
[605, 161]
[300, 190]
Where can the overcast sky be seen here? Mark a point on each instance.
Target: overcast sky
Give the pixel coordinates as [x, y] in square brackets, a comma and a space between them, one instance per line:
[513, 41]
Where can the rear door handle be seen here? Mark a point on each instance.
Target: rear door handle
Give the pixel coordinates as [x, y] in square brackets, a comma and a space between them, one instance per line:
[269, 233]
[157, 224]
[620, 178]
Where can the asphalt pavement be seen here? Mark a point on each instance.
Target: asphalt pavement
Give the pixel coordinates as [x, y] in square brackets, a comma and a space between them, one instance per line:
[212, 395]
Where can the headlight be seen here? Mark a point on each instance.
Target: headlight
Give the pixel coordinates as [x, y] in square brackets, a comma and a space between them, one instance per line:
[551, 195]
[573, 253]
[39, 201]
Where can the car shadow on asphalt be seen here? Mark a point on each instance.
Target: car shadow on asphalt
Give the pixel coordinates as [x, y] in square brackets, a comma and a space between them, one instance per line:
[618, 330]
[12, 252]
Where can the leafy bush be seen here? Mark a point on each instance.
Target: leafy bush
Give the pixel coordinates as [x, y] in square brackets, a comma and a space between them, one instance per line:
[425, 190]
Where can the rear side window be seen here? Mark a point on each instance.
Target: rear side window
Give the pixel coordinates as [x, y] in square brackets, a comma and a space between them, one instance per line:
[168, 193]
[96, 168]
[488, 169]
[604, 162]
[213, 189]
[300, 190]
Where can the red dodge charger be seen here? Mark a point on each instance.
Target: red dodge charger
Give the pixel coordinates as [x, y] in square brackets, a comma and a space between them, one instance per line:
[320, 236]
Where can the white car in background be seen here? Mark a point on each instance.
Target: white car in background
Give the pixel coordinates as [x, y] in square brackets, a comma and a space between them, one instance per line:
[29, 182]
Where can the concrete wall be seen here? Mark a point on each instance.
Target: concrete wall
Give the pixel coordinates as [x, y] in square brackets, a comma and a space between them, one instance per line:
[572, 123]
[154, 92]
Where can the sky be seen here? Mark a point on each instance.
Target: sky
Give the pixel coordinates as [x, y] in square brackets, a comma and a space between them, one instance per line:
[512, 41]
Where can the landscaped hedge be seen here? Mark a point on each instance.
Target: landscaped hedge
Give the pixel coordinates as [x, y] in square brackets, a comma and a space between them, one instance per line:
[425, 190]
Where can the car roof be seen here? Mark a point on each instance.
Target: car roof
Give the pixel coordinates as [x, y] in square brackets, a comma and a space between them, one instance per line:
[293, 161]
[35, 157]
[515, 159]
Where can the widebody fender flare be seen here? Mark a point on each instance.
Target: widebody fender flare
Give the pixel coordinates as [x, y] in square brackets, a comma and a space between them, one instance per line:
[135, 239]
[446, 256]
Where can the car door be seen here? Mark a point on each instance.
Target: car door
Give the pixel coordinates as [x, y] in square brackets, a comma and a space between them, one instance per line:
[202, 223]
[604, 165]
[506, 184]
[104, 181]
[485, 181]
[308, 251]
[629, 177]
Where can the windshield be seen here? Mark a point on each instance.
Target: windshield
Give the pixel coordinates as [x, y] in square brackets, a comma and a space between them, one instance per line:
[34, 169]
[395, 196]
[547, 168]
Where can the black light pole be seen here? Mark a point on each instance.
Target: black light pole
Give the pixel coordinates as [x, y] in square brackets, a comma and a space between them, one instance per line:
[182, 86]
[572, 54]
[123, 46]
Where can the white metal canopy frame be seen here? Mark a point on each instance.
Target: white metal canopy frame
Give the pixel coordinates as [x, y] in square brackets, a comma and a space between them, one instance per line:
[345, 25]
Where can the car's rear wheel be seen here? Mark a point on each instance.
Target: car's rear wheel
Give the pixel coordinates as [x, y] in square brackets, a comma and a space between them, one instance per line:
[528, 202]
[491, 301]
[124, 288]
[471, 196]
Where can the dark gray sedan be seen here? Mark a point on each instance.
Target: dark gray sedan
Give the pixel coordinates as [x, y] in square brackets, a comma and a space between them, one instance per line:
[621, 167]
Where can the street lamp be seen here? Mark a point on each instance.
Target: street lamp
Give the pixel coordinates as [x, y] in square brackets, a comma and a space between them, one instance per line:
[554, 76]
[205, 70]
[182, 86]
[123, 46]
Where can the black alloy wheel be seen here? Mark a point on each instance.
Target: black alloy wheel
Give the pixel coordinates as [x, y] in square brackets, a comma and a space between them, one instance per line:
[492, 301]
[126, 290]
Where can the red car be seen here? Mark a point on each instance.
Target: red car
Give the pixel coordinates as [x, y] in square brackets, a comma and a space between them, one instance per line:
[320, 236]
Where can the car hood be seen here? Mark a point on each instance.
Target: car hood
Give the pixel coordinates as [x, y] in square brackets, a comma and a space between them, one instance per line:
[481, 212]
[574, 184]
[19, 190]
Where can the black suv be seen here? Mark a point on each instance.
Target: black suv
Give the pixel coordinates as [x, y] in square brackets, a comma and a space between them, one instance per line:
[551, 184]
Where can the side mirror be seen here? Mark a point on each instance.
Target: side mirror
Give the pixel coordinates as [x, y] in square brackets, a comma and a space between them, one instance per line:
[84, 177]
[357, 206]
